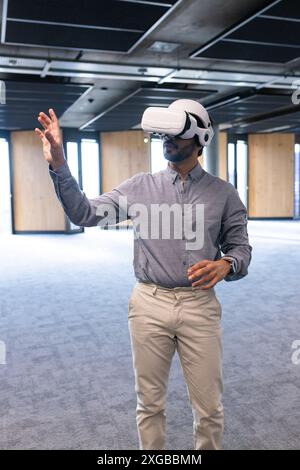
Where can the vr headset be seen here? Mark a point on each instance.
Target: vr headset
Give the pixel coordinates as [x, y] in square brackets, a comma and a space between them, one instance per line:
[179, 120]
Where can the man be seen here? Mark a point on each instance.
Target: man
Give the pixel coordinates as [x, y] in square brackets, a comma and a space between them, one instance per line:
[173, 305]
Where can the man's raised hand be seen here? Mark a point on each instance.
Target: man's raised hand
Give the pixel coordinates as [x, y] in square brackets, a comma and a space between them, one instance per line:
[51, 139]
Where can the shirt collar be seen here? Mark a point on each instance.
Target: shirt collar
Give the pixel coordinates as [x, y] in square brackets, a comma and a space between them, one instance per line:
[195, 173]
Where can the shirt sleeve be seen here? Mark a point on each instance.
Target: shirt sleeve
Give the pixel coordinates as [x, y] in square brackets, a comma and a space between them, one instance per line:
[234, 262]
[233, 239]
[108, 208]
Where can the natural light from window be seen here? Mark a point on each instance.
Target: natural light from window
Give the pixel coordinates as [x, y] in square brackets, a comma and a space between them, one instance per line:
[5, 206]
[90, 167]
[158, 161]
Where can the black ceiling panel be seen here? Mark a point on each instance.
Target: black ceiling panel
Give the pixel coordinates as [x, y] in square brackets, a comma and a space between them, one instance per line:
[112, 25]
[24, 101]
[259, 38]
[129, 112]
[253, 109]
[106, 13]
[254, 52]
[285, 9]
[269, 31]
[70, 37]
[290, 123]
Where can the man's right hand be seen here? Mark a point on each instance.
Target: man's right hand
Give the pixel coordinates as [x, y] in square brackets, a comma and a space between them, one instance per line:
[51, 138]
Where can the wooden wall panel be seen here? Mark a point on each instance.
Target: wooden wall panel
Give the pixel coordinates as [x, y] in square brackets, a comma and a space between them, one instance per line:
[123, 155]
[36, 207]
[271, 175]
[223, 155]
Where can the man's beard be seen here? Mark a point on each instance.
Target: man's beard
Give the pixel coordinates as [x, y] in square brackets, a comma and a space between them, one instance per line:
[178, 155]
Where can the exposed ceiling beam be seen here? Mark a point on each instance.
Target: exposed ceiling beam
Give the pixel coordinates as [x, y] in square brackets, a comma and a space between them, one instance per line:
[155, 26]
[90, 70]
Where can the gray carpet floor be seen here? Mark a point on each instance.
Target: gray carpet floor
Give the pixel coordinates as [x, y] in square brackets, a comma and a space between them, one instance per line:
[68, 380]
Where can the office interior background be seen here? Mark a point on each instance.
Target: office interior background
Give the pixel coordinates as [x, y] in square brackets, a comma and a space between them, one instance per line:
[65, 361]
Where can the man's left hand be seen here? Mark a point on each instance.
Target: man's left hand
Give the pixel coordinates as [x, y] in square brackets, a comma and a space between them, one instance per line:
[210, 272]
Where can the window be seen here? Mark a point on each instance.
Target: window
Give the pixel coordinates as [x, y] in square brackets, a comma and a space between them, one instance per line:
[72, 156]
[5, 190]
[158, 161]
[242, 171]
[231, 163]
[83, 161]
[237, 166]
[90, 167]
[204, 159]
[297, 181]
[86, 160]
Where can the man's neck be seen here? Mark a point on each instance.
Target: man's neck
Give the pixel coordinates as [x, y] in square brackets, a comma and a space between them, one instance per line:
[183, 168]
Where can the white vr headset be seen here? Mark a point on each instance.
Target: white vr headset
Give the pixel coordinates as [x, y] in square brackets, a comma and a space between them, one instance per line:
[178, 120]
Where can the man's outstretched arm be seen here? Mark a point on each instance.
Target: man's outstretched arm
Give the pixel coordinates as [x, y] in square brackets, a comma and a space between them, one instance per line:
[101, 210]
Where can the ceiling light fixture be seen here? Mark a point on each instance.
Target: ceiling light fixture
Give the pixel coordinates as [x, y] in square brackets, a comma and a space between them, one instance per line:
[162, 46]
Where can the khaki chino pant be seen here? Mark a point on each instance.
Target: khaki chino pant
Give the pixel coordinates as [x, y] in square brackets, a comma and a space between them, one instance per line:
[187, 320]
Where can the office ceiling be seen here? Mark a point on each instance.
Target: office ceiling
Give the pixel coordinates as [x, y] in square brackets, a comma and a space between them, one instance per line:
[269, 35]
[105, 25]
[128, 112]
[99, 63]
[261, 112]
[24, 101]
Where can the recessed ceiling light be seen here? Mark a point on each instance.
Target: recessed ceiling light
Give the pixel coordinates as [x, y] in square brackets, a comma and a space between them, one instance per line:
[162, 46]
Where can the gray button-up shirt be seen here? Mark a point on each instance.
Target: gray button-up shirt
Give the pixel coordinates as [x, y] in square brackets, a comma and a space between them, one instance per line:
[158, 259]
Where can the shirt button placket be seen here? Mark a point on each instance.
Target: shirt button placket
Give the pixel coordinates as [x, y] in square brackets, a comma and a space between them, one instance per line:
[183, 190]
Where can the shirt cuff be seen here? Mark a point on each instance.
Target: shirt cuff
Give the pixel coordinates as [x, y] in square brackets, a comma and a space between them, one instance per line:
[234, 263]
[63, 171]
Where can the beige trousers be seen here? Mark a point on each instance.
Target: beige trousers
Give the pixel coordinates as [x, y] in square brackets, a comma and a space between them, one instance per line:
[161, 321]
